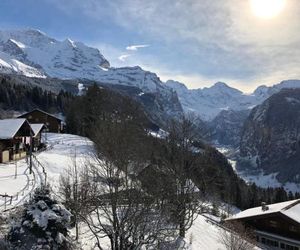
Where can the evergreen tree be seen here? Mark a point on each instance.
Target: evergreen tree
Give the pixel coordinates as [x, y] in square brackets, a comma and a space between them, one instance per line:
[43, 225]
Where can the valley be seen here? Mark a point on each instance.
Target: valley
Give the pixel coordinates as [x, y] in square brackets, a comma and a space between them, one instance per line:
[140, 155]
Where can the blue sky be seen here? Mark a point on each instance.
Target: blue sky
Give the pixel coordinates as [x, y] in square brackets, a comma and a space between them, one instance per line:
[197, 42]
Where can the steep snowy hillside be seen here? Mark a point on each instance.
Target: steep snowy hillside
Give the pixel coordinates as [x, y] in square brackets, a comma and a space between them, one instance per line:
[209, 102]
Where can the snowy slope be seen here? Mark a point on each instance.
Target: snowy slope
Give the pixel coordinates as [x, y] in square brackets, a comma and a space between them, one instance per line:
[59, 156]
[64, 149]
[10, 65]
[56, 160]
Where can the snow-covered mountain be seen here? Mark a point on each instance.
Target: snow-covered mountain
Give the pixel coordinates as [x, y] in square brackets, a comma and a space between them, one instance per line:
[61, 59]
[209, 102]
[34, 54]
[31, 52]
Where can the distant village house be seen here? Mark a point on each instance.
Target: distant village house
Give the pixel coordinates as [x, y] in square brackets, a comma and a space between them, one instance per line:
[37, 116]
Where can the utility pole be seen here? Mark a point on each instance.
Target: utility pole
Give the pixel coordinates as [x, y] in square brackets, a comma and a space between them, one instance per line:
[30, 153]
[16, 169]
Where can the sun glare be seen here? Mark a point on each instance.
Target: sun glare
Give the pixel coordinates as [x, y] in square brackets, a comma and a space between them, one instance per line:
[267, 8]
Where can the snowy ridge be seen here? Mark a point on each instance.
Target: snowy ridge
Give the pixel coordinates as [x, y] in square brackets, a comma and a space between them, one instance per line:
[209, 102]
[32, 53]
[10, 65]
[61, 59]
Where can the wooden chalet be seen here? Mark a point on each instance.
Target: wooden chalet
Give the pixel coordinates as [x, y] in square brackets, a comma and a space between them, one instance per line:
[37, 116]
[13, 133]
[276, 226]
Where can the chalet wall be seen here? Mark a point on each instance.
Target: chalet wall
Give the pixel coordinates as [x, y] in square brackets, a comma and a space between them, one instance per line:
[5, 156]
[277, 224]
[53, 124]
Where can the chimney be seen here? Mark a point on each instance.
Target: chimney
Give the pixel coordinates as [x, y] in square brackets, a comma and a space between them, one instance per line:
[264, 206]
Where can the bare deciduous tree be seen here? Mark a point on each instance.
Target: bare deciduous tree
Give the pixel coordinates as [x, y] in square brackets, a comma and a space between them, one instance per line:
[120, 209]
[237, 237]
[180, 158]
[74, 191]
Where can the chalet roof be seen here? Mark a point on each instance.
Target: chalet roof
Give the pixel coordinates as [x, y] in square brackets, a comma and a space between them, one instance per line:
[37, 127]
[9, 127]
[42, 111]
[290, 209]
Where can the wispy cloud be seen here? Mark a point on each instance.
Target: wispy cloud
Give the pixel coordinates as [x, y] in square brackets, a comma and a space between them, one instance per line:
[212, 38]
[124, 57]
[136, 47]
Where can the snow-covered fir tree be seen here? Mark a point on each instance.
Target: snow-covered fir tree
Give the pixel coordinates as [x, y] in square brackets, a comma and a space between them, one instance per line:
[43, 225]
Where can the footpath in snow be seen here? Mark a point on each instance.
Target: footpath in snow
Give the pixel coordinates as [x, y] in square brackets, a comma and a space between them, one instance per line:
[15, 183]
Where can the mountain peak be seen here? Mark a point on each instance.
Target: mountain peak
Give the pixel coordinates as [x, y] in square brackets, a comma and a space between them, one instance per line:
[69, 42]
[177, 86]
[221, 85]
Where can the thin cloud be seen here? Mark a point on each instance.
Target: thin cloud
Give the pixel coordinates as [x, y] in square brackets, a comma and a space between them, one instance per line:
[123, 57]
[136, 47]
[225, 42]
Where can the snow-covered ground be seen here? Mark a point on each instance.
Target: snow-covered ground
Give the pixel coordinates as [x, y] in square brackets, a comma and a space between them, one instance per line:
[58, 157]
[16, 182]
[62, 152]
[202, 235]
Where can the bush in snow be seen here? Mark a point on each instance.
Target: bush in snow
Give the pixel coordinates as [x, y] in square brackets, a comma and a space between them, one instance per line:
[43, 225]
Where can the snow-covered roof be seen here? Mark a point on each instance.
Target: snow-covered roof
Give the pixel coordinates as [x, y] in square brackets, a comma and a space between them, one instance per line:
[290, 209]
[9, 127]
[37, 127]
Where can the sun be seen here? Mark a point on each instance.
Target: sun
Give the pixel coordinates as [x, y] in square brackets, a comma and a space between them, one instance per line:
[267, 8]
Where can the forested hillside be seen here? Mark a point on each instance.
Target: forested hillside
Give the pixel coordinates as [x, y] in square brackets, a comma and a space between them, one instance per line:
[93, 113]
[19, 97]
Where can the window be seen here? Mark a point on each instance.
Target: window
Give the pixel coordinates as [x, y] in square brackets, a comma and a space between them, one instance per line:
[282, 246]
[289, 247]
[293, 228]
[273, 223]
[272, 243]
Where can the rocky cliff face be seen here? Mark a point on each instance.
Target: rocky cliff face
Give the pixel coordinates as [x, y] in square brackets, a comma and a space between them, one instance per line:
[271, 136]
[226, 127]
